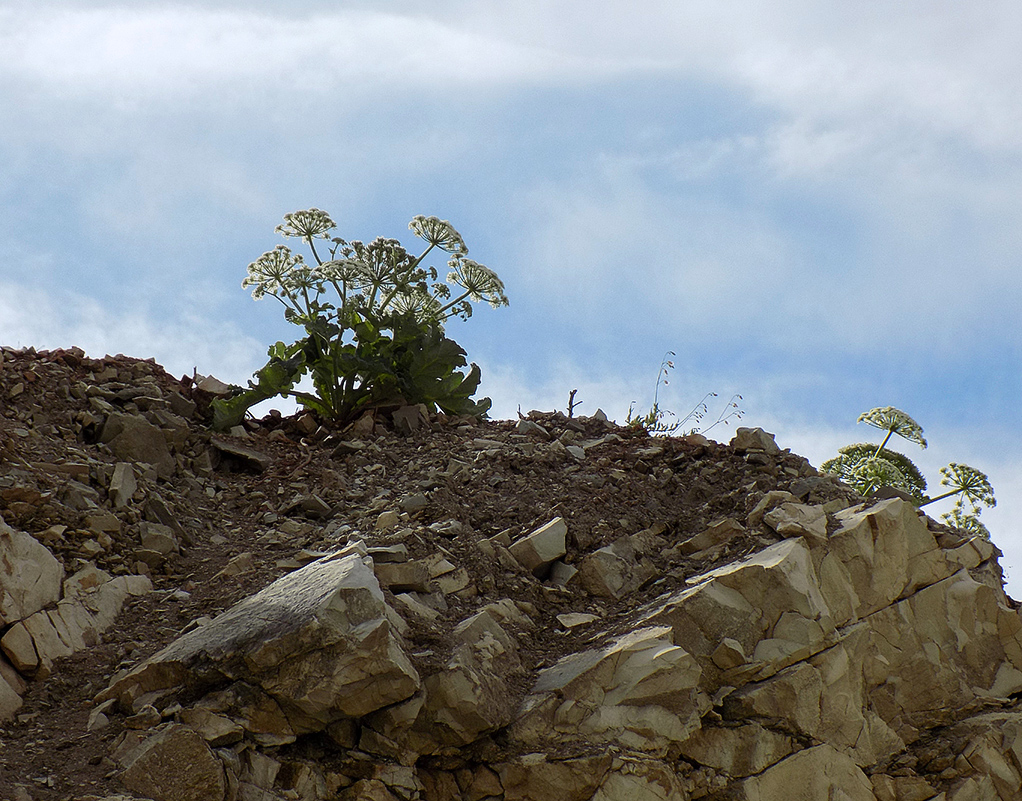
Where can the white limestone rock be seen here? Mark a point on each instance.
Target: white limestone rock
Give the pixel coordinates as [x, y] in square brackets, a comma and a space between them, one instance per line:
[30, 576]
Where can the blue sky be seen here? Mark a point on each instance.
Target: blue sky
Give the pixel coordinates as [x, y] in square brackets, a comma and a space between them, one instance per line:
[813, 204]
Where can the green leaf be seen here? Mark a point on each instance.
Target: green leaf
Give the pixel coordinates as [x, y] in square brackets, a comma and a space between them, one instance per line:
[276, 377]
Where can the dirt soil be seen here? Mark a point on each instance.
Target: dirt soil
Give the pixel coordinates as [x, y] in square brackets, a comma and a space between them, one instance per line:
[314, 489]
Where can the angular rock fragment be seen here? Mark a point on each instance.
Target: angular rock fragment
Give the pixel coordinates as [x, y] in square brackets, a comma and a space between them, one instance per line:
[641, 691]
[738, 750]
[618, 569]
[403, 576]
[754, 439]
[717, 534]
[135, 439]
[10, 699]
[174, 764]
[797, 520]
[473, 694]
[19, 647]
[244, 457]
[536, 777]
[538, 550]
[122, 485]
[317, 641]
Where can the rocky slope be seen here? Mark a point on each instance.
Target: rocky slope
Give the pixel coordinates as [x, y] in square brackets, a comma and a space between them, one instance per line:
[431, 608]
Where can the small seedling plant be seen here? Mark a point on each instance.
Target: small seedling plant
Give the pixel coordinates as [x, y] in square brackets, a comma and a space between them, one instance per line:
[373, 319]
[656, 420]
[867, 467]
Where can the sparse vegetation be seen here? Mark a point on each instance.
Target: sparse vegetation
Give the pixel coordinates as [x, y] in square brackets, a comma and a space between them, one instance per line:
[655, 421]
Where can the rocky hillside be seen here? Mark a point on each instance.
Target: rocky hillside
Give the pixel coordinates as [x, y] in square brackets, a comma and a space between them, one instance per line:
[421, 607]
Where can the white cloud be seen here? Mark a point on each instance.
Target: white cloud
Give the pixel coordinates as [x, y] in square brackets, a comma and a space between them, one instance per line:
[154, 53]
[42, 319]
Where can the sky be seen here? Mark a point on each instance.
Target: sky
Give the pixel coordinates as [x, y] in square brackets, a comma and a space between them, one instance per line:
[814, 205]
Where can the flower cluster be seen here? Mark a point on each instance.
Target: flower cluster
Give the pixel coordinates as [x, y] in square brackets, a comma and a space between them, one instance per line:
[867, 468]
[479, 281]
[438, 233]
[272, 272]
[894, 421]
[969, 484]
[380, 341]
[308, 224]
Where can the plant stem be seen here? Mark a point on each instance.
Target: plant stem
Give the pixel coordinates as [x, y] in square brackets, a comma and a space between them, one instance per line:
[458, 299]
[881, 448]
[314, 253]
[940, 497]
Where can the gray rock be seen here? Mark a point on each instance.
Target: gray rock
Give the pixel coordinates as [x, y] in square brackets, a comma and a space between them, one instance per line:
[768, 502]
[409, 419]
[473, 695]
[403, 576]
[10, 700]
[159, 538]
[122, 485]
[532, 429]
[382, 554]
[157, 511]
[212, 385]
[754, 439]
[797, 520]
[249, 458]
[175, 765]
[180, 405]
[617, 569]
[717, 534]
[135, 439]
[413, 503]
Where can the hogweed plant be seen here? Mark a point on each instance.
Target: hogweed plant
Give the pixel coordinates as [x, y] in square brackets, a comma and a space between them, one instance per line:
[867, 467]
[373, 316]
[655, 420]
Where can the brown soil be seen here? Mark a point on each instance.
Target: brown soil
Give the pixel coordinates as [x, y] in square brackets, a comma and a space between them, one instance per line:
[227, 506]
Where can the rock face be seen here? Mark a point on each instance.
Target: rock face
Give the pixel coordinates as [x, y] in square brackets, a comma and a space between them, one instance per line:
[813, 669]
[421, 609]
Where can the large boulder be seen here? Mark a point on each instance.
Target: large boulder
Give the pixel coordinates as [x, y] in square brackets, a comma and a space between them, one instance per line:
[316, 643]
